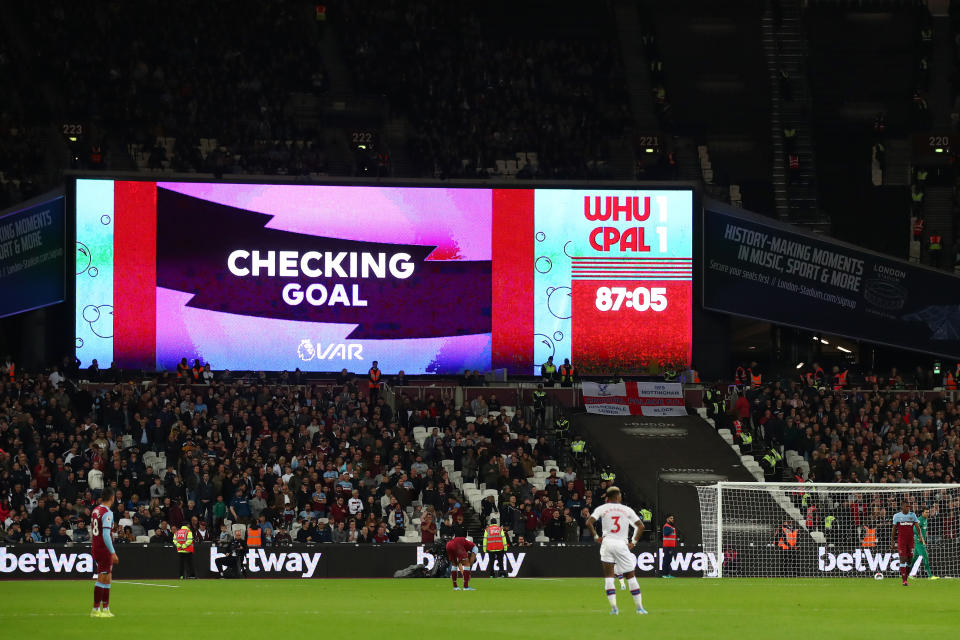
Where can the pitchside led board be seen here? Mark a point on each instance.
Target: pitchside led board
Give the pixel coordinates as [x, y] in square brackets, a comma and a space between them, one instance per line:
[424, 279]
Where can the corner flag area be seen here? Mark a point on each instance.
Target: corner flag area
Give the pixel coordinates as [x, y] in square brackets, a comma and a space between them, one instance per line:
[533, 608]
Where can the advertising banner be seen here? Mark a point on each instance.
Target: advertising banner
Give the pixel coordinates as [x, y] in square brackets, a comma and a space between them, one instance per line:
[422, 279]
[757, 268]
[158, 562]
[31, 257]
[634, 398]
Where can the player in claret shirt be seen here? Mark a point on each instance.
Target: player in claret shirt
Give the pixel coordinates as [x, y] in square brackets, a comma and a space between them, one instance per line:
[104, 555]
[461, 553]
[905, 522]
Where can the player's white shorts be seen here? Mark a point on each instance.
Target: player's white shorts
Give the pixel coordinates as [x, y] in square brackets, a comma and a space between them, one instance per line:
[617, 553]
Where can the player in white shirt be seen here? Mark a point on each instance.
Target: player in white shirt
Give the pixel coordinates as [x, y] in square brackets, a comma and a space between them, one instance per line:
[615, 546]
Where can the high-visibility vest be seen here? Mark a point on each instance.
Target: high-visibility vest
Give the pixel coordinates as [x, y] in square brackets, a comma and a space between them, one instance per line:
[740, 375]
[828, 521]
[917, 228]
[549, 368]
[578, 446]
[183, 540]
[566, 373]
[608, 475]
[935, 241]
[788, 539]
[950, 382]
[646, 515]
[374, 375]
[811, 512]
[869, 538]
[539, 398]
[695, 376]
[669, 539]
[253, 537]
[840, 381]
[755, 379]
[493, 539]
[562, 423]
[737, 427]
[746, 438]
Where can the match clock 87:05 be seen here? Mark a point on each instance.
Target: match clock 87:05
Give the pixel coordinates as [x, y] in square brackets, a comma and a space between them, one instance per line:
[638, 299]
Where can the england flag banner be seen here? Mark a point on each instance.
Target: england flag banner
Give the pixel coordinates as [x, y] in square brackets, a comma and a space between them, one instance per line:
[634, 398]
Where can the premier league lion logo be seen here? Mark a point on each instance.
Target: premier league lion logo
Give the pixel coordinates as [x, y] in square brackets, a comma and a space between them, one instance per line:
[305, 350]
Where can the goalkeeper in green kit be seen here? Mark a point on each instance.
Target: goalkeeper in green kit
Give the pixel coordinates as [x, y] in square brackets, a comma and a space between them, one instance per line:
[919, 548]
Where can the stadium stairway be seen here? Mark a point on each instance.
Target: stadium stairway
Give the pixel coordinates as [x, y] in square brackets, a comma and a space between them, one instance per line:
[635, 66]
[659, 461]
[786, 50]
[938, 216]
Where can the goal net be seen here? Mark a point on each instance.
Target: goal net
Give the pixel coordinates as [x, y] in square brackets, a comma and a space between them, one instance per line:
[823, 530]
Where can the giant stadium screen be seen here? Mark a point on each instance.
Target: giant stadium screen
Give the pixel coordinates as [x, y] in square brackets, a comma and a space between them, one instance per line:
[424, 279]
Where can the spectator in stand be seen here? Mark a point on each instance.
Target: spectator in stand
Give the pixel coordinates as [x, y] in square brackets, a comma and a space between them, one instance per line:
[428, 528]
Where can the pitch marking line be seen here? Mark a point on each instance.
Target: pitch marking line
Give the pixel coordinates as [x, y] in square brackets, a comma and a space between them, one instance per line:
[148, 584]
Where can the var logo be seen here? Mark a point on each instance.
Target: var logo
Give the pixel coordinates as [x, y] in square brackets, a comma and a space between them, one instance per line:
[481, 563]
[307, 351]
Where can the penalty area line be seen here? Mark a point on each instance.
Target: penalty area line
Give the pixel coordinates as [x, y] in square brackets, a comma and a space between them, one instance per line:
[148, 584]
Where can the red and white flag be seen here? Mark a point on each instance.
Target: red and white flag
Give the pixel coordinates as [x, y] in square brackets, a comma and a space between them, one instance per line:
[634, 398]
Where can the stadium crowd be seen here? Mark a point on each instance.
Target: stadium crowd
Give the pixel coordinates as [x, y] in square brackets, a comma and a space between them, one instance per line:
[311, 463]
[476, 90]
[882, 433]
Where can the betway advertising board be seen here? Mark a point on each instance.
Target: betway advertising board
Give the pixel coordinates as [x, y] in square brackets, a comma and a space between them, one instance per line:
[758, 268]
[154, 562]
[634, 398]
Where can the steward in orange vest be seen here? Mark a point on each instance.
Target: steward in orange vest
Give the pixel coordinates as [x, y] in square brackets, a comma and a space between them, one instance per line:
[756, 378]
[373, 377]
[183, 541]
[567, 372]
[254, 536]
[950, 382]
[788, 537]
[669, 533]
[839, 379]
[495, 543]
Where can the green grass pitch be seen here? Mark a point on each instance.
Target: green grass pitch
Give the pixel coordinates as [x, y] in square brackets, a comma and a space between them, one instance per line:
[512, 608]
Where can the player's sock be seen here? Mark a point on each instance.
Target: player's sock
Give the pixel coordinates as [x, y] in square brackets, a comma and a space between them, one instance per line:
[608, 584]
[105, 595]
[903, 572]
[623, 585]
[466, 578]
[635, 592]
[97, 595]
[453, 575]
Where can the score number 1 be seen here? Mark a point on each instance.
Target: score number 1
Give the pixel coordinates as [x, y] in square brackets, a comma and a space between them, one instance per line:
[640, 299]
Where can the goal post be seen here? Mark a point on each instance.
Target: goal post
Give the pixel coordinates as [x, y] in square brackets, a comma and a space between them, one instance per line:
[791, 530]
